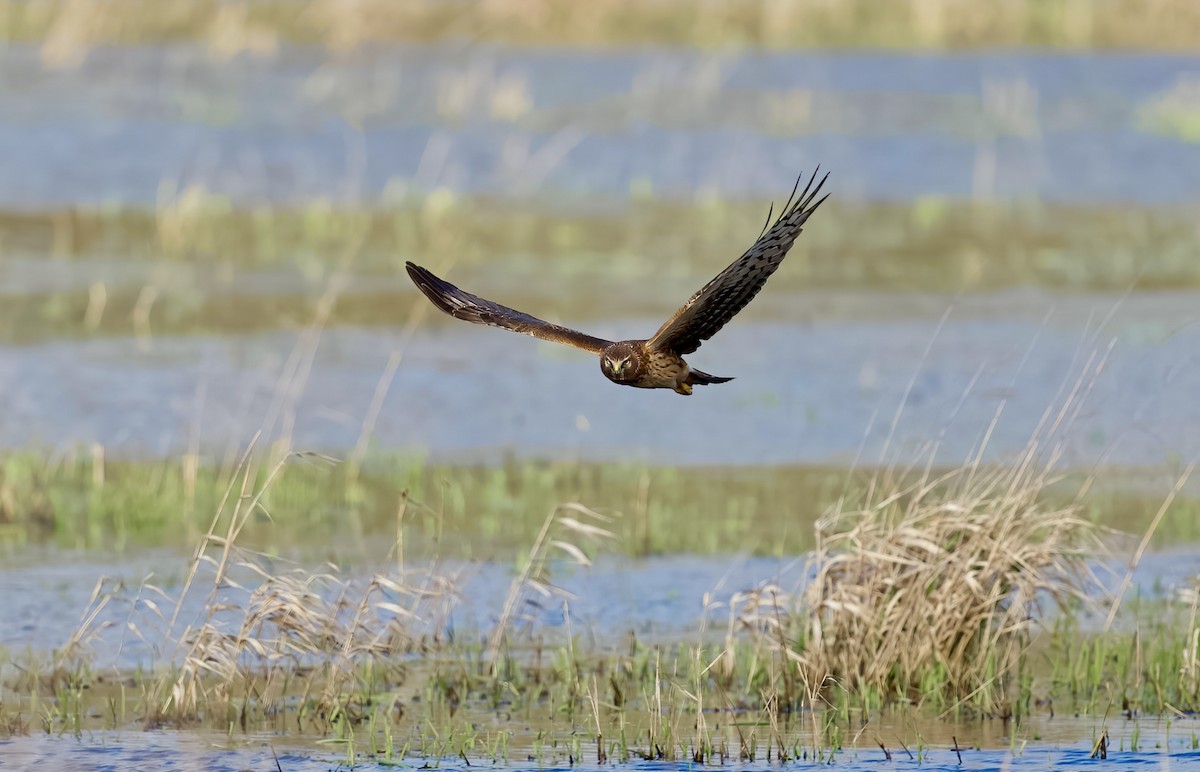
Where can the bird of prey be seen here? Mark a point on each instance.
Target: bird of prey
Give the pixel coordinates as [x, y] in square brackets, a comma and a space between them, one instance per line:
[657, 362]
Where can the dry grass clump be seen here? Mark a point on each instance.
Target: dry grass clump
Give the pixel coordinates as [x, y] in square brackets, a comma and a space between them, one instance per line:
[313, 626]
[261, 640]
[243, 639]
[240, 633]
[934, 591]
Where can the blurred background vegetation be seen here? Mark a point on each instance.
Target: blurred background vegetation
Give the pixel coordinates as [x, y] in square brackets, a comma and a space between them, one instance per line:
[985, 344]
[263, 25]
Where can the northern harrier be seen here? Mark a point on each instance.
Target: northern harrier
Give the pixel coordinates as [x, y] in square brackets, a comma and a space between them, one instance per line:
[656, 363]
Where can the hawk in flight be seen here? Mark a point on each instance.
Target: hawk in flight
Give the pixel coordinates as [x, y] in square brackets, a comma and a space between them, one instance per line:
[655, 363]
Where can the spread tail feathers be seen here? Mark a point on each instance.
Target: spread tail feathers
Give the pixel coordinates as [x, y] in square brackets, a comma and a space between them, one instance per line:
[698, 378]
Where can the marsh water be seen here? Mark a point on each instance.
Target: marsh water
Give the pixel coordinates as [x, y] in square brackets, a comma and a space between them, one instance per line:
[815, 391]
[183, 750]
[302, 124]
[1054, 197]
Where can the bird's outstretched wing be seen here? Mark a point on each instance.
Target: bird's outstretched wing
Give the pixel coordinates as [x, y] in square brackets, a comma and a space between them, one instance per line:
[717, 302]
[464, 305]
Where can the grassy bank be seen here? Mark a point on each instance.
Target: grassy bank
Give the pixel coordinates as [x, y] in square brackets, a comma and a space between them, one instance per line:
[203, 267]
[85, 501]
[261, 26]
[932, 243]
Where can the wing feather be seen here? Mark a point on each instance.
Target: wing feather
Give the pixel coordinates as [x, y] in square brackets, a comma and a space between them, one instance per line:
[721, 299]
[472, 308]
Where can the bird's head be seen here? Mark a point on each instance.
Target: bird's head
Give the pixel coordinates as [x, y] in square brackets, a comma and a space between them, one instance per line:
[621, 362]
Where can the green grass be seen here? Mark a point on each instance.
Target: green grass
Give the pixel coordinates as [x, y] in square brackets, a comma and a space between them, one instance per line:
[468, 511]
[463, 511]
[1146, 666]
[207, 277]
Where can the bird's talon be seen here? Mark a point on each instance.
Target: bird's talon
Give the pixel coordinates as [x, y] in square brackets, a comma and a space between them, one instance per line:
[683, 388]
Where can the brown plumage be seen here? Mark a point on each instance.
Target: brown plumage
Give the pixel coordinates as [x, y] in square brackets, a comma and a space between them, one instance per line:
[656, 363]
